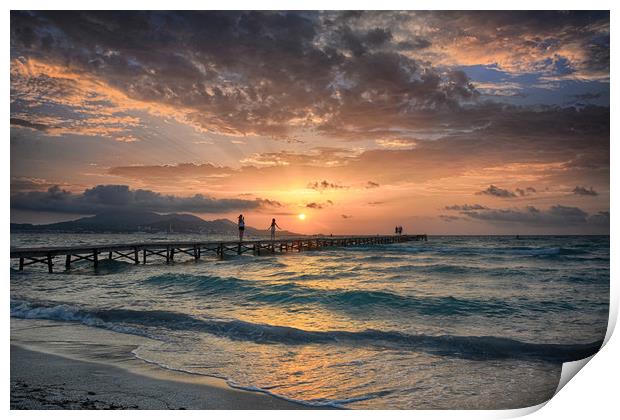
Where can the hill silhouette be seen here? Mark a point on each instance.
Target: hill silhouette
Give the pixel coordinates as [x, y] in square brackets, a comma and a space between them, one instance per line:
[143, 221]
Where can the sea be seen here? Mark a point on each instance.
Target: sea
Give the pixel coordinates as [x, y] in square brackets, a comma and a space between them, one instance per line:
[457, 322]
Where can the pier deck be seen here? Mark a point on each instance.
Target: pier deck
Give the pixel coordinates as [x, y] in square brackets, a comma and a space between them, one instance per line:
[167, 251]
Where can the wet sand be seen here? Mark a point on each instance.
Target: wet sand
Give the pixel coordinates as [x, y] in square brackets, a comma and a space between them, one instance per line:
[93, 373]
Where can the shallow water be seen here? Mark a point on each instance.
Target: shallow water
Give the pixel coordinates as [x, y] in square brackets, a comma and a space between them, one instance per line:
[455, 322]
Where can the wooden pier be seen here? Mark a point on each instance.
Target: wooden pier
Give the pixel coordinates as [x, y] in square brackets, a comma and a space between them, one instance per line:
[172, 251]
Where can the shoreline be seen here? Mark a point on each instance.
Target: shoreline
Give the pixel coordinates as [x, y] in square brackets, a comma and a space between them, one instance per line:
[94, 369]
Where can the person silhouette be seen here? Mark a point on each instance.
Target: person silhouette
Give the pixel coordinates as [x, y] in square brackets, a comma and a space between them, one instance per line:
[241, 227]
[273, 227]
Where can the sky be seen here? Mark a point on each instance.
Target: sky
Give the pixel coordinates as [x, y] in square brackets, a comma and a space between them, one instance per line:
[441, 122]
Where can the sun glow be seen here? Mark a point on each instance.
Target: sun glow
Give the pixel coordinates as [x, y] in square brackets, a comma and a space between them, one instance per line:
[301, 216]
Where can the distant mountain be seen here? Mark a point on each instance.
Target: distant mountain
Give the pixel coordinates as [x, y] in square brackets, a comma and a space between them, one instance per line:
[143, 221]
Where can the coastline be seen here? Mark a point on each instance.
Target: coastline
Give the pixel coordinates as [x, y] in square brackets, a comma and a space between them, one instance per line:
[91, 368]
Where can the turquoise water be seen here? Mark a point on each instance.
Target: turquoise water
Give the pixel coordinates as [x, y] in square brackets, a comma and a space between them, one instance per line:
[455, 322]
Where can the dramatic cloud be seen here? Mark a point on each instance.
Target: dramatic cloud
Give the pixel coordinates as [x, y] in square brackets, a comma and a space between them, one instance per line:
[584, 191]
[569, 141]
[271, 73]
[432, 106]
[556, 216]
[346, 216]
[121, 197]
[376, 75]
[553, 216]
[559, 44]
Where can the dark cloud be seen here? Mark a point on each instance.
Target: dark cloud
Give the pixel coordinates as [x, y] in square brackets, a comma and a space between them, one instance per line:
[587, 96]
[272, 73]
[449, 218]
[504, 193]
[21, 183]
[319, 206]
[244, 72]
[269, 203]
[466, 207]
[361, 42]
[346, 216]
[557, 43]
[25, 123]
[554, 216]
[121, 197]
[584, 191]
[371, 184]
[497, 192]
[525, 191]
[600, 218]
[414, 44]
[325, 185]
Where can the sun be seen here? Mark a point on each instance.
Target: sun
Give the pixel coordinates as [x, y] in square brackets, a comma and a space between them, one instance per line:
[301, 216]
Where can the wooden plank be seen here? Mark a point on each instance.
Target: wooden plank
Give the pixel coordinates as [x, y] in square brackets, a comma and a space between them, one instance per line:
[42, 252]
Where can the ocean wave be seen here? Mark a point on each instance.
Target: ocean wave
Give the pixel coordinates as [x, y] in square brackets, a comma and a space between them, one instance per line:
[379, 258]
[603, 278]
[517, 251]
[104, 267]
[346, 300]
[461, 269]
[67, 312]
[467, 347]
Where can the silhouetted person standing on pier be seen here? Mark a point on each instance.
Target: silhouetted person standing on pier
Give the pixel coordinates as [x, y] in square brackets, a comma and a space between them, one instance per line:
[273, 227]
[396, 230]
[241, 227]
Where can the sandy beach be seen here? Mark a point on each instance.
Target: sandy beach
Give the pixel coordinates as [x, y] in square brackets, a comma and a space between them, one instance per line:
[89, 368]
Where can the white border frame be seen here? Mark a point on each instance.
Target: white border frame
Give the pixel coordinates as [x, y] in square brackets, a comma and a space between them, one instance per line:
[592, 394]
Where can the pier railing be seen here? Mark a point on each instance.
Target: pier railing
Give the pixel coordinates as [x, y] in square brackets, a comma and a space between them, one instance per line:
[171, 251]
